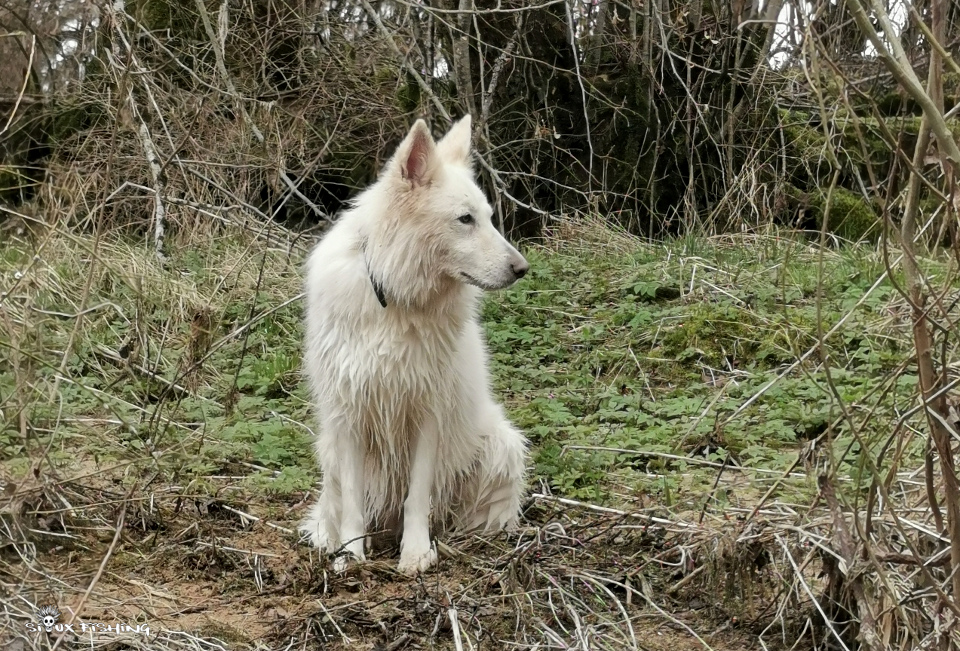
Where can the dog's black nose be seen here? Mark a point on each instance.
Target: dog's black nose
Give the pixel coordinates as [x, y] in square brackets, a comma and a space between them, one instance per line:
[520, 270]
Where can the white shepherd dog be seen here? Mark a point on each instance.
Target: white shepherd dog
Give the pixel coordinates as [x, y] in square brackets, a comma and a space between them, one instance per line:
[396, 359]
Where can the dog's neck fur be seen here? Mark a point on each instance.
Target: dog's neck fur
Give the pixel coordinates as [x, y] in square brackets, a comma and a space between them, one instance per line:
[426, 291]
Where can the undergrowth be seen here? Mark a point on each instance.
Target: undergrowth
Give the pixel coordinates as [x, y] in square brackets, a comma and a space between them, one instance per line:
[189, 368]
[655, 348]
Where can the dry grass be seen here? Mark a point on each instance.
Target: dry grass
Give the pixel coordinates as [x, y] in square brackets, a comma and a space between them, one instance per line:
[115, 531]
[203, 575]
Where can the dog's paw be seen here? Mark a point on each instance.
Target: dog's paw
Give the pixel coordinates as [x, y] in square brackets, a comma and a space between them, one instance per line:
[412, 563]
[315, 534]
[343, 561]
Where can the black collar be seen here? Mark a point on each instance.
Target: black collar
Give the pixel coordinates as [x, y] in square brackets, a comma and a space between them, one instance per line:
[378, 290]
[377, 287]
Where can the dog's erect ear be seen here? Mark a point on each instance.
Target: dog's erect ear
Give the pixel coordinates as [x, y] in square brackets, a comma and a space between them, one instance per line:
[417, 155]
[455, 146]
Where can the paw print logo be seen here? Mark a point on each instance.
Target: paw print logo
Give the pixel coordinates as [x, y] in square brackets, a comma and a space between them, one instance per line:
[48, 616]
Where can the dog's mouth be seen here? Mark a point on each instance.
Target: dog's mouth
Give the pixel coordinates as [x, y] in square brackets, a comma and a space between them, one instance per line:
[476, 283]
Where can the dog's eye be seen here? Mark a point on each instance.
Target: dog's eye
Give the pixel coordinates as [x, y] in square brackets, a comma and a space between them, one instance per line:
[465, 219]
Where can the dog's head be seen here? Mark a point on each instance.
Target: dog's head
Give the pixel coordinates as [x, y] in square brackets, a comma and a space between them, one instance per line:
[441, 203]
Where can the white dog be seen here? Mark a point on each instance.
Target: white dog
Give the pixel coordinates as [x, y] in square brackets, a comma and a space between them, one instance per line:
[396, 359]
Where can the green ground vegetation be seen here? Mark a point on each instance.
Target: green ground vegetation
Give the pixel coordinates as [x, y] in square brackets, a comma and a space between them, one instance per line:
[189, 368]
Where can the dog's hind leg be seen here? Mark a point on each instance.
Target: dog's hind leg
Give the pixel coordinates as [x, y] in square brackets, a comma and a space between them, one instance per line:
[495, 487]
[416, 553]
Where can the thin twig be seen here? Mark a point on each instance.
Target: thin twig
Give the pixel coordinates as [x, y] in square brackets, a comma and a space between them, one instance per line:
[118, 530]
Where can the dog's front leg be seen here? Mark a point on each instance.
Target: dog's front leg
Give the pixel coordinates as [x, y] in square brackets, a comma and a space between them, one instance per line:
[352, 496]
[416, 554]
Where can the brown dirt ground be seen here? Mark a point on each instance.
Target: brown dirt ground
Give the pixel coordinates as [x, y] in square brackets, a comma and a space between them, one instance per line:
[190, 565]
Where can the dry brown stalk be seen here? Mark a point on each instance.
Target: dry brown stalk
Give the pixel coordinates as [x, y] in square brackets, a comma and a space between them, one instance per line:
[931, 100]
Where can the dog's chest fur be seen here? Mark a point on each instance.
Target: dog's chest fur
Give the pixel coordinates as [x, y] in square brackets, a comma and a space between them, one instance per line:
[410, 371]
[391, 358]
[411, 356]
